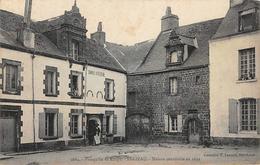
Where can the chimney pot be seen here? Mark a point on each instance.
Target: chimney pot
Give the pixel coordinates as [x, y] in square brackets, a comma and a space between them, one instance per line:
[169, 21]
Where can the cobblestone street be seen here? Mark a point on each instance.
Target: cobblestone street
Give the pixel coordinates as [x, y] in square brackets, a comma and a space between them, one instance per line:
[142, 154]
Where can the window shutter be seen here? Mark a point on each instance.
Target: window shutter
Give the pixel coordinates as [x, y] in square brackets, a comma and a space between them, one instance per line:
[103, 130]
[41, 125]
[233, 116]
[115, 124]
[179, 123]
[170, 123]
[8, 77]
[166, 123]
[60, 125]
[258, 116]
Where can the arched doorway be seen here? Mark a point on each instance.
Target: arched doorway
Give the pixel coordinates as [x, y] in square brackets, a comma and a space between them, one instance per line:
[94, 137]
[193, 129]
[137, 128]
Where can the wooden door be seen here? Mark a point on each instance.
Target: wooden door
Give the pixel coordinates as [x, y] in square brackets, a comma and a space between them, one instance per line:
[7, 134]
[194, 136]
[137, 129]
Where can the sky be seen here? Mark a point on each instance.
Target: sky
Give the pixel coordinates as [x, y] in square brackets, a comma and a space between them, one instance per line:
[125, 21]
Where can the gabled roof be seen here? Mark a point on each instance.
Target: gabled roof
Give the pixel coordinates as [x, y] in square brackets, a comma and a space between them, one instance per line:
[155, 60]
[130, 56]
[230, 24]
[95, 54]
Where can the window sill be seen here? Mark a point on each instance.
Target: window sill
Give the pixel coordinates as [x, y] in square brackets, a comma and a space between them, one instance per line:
[110, 100]
[76, 136]
[12, 92]
[51, 95]
[246, 81]
[50, 138]
[247, 132]
[173, 94]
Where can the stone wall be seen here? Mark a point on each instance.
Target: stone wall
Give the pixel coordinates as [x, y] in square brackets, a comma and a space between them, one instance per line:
[152, 98]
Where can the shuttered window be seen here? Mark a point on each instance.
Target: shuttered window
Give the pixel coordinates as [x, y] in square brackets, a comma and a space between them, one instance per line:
[76, 123]
[244, 115]
[110, 123]
[50, 124]
[173, 123]
[248, 114]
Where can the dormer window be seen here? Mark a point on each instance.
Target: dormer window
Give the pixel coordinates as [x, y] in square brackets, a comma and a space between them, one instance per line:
[175, 57]
[75, 50]
[247, 20]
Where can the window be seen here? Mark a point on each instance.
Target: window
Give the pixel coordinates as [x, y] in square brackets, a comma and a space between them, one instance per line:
[50, 119]
[11, 78]
[109, 90]
[244, 115]
[248, 114]
[76, 84]
[110, 122]
[51, 81]
[174, 57]
[173, 85]
[131, 99]
[50, 124]
[197, 80]
[76, 123]
[248, 20]
[75, 50]
[247, 64]
[173, 123]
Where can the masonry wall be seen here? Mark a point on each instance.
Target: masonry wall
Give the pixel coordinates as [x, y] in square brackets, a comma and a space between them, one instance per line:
[153, 98]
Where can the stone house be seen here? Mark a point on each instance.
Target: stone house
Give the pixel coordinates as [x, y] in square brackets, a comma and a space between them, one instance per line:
[168, 93]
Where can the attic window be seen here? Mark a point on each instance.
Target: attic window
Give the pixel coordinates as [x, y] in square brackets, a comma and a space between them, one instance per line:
[248, 20]
[176, 57]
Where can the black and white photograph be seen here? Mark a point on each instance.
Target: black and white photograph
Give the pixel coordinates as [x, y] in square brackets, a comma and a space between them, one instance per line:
[129, 82]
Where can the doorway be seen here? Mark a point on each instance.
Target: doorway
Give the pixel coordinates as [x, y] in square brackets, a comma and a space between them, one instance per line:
[193, 132]
[7, 134]
[94, 130]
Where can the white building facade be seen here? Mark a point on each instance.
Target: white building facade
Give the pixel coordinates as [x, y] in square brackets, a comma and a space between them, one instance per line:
[50, 97]
[234, 76]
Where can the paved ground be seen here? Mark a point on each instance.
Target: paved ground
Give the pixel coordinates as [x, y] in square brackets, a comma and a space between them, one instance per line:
[142, 154]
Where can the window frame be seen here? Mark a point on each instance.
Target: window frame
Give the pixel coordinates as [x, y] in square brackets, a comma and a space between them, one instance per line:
[75, 48]
[242, 14]
[246, 64]
[80, 79]
[6, 89]
[55, 82]
[55, 122]
[79, 114]
[248, 120]
[111, 90]
[171, 88]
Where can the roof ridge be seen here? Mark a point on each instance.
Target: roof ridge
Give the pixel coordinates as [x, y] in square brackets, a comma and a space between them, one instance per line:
[196, 23]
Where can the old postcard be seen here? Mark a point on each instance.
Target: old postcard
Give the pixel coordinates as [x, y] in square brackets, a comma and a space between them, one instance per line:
[129, 81]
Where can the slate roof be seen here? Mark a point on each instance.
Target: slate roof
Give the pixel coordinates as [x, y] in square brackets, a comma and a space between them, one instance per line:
[155, 60]
[95, 54]
[130, 56]
[229, 25]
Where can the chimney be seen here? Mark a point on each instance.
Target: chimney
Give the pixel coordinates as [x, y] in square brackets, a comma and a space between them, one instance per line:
[99, 36]
[169, 20]
[235, 2]
[26, 36]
